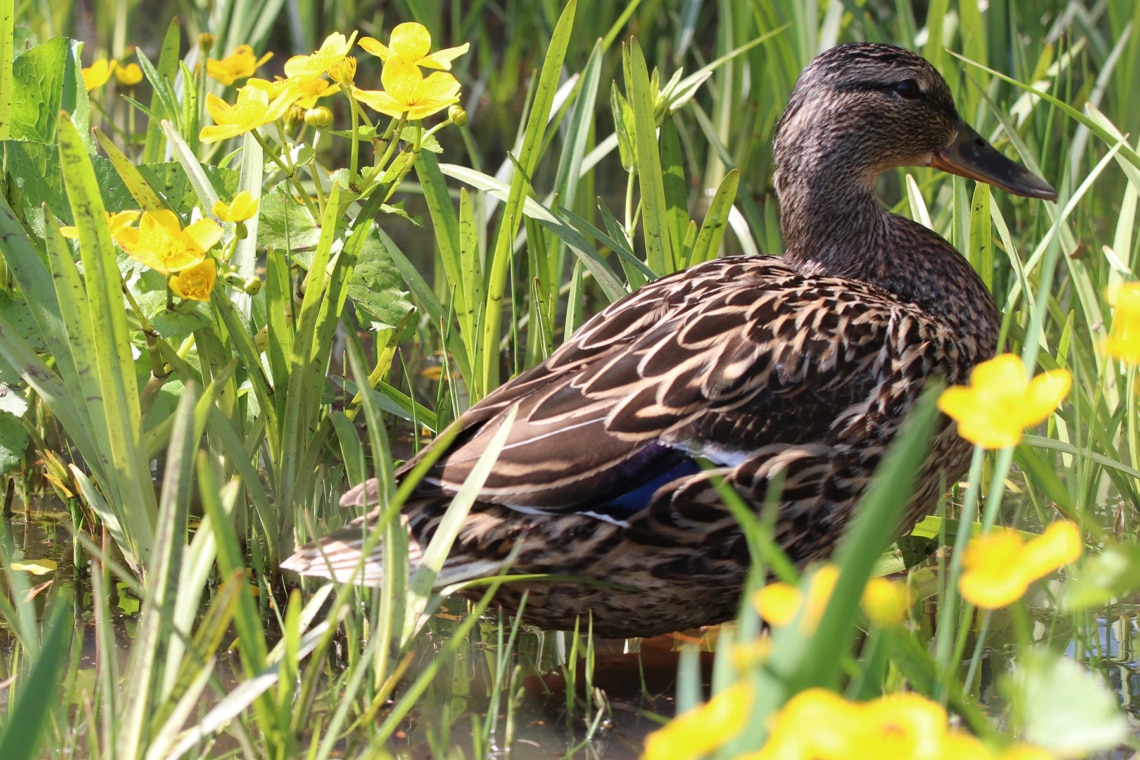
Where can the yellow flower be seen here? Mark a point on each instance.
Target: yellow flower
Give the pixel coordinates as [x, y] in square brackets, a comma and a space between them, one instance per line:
[240, 64]
[817, 723]
[779, 603]
[702, 729]
[1000, 402]
[333, 49]
[128, 75]
[309, 91]
[162, 244]
[883, 602]
[243, 208]
[252, 110]
[407, 91]
[1123, 341]
[1025, 752]
[98, 73]
[999, 566]
[344, 71]
[959, 745]
[412, 42]
[116, 222]
[195, 282]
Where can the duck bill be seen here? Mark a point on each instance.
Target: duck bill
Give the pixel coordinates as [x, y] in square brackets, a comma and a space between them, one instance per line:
[971, 156]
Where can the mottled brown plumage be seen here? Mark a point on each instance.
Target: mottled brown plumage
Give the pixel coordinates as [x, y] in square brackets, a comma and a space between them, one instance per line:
[802, 366]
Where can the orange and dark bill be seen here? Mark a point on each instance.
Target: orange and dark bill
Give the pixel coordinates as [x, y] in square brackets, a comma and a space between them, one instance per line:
[971, 156]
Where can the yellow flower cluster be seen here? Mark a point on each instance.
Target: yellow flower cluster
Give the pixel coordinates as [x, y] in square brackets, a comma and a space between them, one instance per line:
[999, 566]
[818, 724]
[883, 602]
[240, 64]
[821, 725]
[99, 73]
[1001, 401]
[406, 94]
[701, 730]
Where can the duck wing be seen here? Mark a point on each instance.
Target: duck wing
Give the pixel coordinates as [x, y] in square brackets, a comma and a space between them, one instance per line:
[742, 362]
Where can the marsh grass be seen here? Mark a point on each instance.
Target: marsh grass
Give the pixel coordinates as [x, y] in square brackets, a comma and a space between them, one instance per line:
[664, 110]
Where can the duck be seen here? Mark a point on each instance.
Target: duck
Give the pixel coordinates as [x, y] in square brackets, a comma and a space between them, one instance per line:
[796, 369]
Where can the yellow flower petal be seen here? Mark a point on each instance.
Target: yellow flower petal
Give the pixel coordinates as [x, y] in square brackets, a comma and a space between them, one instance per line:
[253, 109]
[128, 75]
[411, 42]
[240, 64]
[903, 725]
[196, 282]
[999, 566]
[407, 91]
[160, 243]
[1057, 546]
[701, 730]
[959, 745]
[1000, 402]
[241, 209]
[1123, 340]
[1026, 752]
[816, 723]
[98, 73]
[989, 575]
[116, 221]
[333, 49]
[779, 603]
[885, 602]
[1045, 393]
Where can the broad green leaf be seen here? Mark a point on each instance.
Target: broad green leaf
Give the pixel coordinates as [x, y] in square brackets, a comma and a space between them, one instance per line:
[377, 287]
[46, 81]
[286, 225]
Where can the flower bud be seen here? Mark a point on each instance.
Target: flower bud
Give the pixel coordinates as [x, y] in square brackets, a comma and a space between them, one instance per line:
[457, 115]
[318, 117]
[206, 42]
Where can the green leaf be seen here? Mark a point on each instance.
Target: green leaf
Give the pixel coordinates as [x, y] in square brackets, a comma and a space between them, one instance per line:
[171, 181]
[47, 80]
[1061, 706]
[28, 718]
[377, 287]
[34, 178]
[16, 313]
[13, 434]
[166, 71]
[655, 223]
[286, 224]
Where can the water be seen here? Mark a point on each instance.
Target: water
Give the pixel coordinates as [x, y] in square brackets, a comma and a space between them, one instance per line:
[543, 708]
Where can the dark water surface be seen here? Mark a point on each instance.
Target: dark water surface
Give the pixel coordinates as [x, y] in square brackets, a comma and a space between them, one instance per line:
[633, 682]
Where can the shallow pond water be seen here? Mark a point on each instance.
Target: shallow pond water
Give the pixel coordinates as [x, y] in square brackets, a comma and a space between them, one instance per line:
[632, 687]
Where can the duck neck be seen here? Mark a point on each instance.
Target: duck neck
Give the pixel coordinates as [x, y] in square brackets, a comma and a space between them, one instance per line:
[850, 235]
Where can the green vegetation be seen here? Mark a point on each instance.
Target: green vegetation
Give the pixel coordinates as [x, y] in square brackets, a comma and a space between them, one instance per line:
[603, 144]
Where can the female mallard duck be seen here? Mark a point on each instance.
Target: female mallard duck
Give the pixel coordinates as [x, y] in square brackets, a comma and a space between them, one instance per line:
[802, 366]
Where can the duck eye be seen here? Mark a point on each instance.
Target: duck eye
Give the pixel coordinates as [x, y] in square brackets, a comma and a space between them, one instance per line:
[908, 88]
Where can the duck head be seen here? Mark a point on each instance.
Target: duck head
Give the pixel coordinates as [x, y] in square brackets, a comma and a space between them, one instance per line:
[859, 110]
